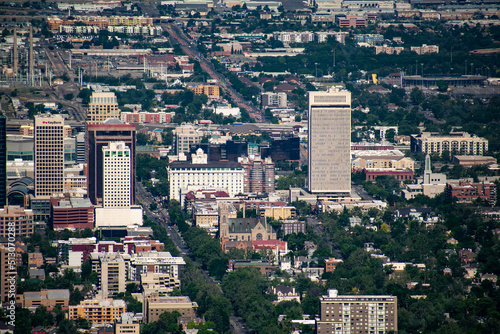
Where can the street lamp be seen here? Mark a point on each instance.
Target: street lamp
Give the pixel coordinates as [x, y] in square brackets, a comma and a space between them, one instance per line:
[316, 69]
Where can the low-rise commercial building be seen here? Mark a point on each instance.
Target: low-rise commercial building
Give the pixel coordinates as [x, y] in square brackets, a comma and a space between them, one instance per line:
[48, 298]
[155, 305]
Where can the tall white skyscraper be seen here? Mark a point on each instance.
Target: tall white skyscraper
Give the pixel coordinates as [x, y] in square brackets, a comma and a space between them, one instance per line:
[116, 175]
[330, 142]
[49, 155]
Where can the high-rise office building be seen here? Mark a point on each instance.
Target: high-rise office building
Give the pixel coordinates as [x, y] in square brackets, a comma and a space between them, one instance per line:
[370, 314]
[80, 147]
[3, 161]
[49, 155]
[99, 136]
[103, 105]
[329, 142]
[116, 169]
[185, 136]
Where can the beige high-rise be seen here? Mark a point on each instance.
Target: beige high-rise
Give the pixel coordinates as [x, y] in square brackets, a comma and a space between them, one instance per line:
[49, 155]
[102, 106]
[329, 142]
[368, 314]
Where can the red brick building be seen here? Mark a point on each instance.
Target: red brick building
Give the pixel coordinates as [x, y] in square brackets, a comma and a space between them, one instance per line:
[399, 174]
[466, 192]
[351, 21]
[71, 213]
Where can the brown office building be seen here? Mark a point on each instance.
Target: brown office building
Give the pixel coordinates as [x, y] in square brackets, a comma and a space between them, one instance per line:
[98, 136]
[357, 314]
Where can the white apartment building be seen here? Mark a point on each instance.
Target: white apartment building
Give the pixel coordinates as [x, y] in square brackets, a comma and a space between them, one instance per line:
[455, 142]
[156, 263]
[221, 175]
[116, 175]
[49, 155]
[274, 100]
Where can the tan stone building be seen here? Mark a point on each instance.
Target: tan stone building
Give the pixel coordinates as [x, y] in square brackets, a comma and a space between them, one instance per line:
[103, 105]
[48, 298]
[208, 90]
[246, 229]
[278, 212]
[159, 282]
[329, 142]
[49, 156]
[155, 305]
[185, 136]
[111, 270]
[357, 314]
[458, 142]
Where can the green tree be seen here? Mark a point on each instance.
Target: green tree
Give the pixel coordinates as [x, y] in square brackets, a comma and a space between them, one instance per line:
[442, 85]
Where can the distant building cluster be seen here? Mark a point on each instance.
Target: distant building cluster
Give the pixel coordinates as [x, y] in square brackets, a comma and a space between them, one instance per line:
[306, 36]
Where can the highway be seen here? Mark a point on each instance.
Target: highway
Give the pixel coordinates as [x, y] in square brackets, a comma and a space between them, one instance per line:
[192, 51]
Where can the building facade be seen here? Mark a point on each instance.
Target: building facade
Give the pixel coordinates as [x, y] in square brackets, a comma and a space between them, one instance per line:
[455, 142]
[98, 311]
[259, 174]
[47, 298]
[357, 314]
[49, 156]
[154, 306]
[208, 90]
[222, 175]
[73, 213]
[99, 136]
[3, 160]
[147, 117]
[103, 105]
[111, 271]
[17, 217]
[467, 192]
[184, 137]
[329, 142]
[278, 100]
[116, 179]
